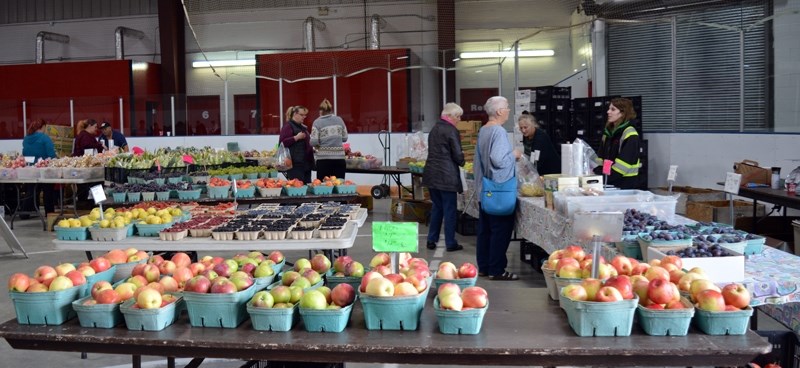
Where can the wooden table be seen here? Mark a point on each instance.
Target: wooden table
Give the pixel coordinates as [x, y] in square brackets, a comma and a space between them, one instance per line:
[522, 327]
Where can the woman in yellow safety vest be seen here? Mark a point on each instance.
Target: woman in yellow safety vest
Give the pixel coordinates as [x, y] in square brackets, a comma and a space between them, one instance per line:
[621, 145]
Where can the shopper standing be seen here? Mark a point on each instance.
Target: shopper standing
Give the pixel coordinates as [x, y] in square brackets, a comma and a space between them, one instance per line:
[494, 159]
[39, 146]
[110, 135]
[536, 139]
[294, 136]
[328, 133]
[442, 178]
[86, 138]
[620, 145]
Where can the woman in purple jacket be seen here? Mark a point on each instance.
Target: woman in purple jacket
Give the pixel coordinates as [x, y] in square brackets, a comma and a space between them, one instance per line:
[87, 138]
[294, 136]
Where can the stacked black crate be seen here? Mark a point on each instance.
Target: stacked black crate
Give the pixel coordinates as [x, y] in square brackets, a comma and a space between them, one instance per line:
[560, 115]
[581, 113]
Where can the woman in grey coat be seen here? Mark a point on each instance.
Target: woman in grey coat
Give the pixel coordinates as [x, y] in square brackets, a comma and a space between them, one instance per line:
[442, 178]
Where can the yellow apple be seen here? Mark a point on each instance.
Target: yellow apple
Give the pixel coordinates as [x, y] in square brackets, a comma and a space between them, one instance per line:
[85, 221]
[105, 223]
[74, 223]
[151, 210]
[64, 223]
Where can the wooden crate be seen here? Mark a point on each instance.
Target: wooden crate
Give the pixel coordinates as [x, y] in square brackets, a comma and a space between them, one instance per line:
[719, 211]
[690, 194]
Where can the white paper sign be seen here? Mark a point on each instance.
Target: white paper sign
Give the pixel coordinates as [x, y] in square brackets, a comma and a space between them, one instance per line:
[88, 152]
[673, 172]
[732, 181]
[110, 144]
[235, 189]
[98, 194]
[522, 96]
[535, 156]
[29, 159]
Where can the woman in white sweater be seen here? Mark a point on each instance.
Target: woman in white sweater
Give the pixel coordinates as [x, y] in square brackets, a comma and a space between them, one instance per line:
[327, 135]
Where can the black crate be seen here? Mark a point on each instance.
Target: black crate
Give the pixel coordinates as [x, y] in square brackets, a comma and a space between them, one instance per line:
[784, 349]
[562, 93]
[644, 157]
[466, 225]
[581, 104]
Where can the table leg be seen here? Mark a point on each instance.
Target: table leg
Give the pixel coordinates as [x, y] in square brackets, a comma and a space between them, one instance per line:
[89, 255]
[755, 217]
[170, 362]
[136, 361]
[36, 207]
[754, 319]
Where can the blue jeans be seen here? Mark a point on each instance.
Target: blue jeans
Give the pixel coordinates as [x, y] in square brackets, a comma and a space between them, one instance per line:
[444, 208]
[494, 236]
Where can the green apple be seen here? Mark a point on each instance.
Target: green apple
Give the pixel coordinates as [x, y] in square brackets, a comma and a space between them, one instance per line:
[313, 299]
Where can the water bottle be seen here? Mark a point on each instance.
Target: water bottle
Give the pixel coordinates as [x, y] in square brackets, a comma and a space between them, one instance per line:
[776, 177]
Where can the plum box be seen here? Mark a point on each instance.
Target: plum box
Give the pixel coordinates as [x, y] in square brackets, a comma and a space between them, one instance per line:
[272, 319]
[156, 319]
[218, 310]
[666, 322]
[724, 322]
[97, 315]
[46, 308]
[589, 319]
[392, 312]
[463, 322]
[326, 320]
[462, 283]
[719, 269]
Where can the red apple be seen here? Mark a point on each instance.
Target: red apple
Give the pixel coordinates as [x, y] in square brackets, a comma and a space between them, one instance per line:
[674, 260]
[474, 297]
[181, 259]
[138, 280]
[675, 276]
[100, 264]
[276, 256]
[575, 292]
[366, 278]
[19, 282]
[640, 269]
[657, 272]
[702, 284]
[167, 267]
[76, 277]
[710, 300]
[622, 264]
[116, 256]
[591, 286]
[451, 301]
[222, 285]
[156, 259]
[405, 288]
[420, 283]
[100, 286]
[151, 273]
[574, 251]
[651, 305]
[467, 271]
[182, 275]
[660, 291]
[623, 284]
[108, 296]
[198, 284]
[138, 269]
[448, 288]
[383, 269]
[380, 259]
[354, 269]
[447, 271]
[289, 277]
[37, 287]
[320, 263]
[396, 278]
[169, 283]
[86, 270]
[567, 262]
[281, 294]
[675, 304]
[608, 294]
[640, 287]
[343, 295]
[736, 295]
[196, 268]
[340, 262]
[149, 299]
[44, 274]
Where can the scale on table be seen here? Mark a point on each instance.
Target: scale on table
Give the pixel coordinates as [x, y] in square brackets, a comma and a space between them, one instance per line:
[592, 229]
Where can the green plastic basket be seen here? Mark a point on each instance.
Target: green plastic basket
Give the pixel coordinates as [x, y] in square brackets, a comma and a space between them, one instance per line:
[346, 189]
[218, 310]
[151, 229]
[321, 190]
[392, 312]
[148, 196]
[175, 179]
[162, 196]
[262, 282]
[97, 315]
[725, 322]
[464, 322]
[273, 319]
[236, 176]
[149, 319]
[666, 322]
[326, 320]
[189, 195]
[462, 283]
[47, 308]
[119, 197]
[589, 319]
[134, 196]
[218, 192]
[246, 193]
[550, 282]
[296, 192]
[71, 233]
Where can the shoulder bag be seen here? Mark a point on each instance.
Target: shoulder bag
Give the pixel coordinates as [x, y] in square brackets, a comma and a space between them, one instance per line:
[498, 199]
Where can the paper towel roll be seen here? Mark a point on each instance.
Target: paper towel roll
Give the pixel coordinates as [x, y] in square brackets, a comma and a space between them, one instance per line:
[566, 159]
[577, 159]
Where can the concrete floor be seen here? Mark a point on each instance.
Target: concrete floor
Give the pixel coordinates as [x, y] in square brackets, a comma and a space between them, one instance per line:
[41, 250]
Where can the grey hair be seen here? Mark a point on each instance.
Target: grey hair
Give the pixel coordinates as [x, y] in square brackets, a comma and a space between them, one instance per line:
[494, 104]
[530, 119]
[452, 109]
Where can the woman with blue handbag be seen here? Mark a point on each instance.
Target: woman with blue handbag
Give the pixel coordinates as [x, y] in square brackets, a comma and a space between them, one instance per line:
[496, 184]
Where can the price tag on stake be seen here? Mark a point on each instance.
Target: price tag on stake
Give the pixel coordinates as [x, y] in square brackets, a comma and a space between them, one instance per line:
[732, 182]
[234, 188]
[98, 195]
[29, 159]
[188, 159]
[673, 172]
[395, 236]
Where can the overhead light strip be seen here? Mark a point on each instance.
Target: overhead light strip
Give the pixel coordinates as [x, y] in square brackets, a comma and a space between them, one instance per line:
[501, 54]
[222, 63]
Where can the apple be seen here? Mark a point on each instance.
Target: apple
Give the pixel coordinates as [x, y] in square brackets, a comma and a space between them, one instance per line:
[380, 287]
[320, 263]
[654, 262]
[139, 269]
[591, 286]
[567, 262]
[640, 269]
[710, 300]
[296, 292]
[167, 298]
[403, 258]
[673, 260]
[467, 271]
[354, 269]
[685, 283]
[556, 255]
[196, 268]
[343, 295]
[736, 295]
[63, 268]
[325, 291]
[138, 280]
[44, 274]
[313, 299]
[140, 255]
[125, 290]
[608, 294]
[108, 296]
[657, 272]
[130, 251]
[222, 285]
[116, 256]
[289, 277]
[396, 278]
[76, 277]
[167, 267]
[242, 281]
[281, 294]
[447, 288]
[675, 304]
[474, 297]
[340, 262]
[301, 282]
[640, 287]
[367, 278]
[730, 308]
[621, 283]
[669, 267]
[149, 299]
[575, 292]
[257, 256]
[312, 276]
[651, 305]
[675, 276]
[151, 273]
[700, 285]
[420, 283]
[86, 270]
[38, 287]
[661, 291]
[99, 286]
[249, 267]
[276, 256]
[19, 282]
[380, 259]
[169, 283]
[61, 283]
[569, 271]
[302, 264]
[405, 288]
[574, 251]
[181, 259]
[262, 299]
[198, 284]
[156, 259]
[263, 270]
[451, 301]
[182, 275]
[223, 269]
[100, 264]
[622, 264]
[210, 274]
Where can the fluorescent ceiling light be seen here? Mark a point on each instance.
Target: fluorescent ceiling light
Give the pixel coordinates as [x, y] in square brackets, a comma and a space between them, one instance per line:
[500, 54]
[222, 63]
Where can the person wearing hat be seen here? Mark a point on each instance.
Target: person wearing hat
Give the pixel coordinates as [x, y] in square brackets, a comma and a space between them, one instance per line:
[108, 135]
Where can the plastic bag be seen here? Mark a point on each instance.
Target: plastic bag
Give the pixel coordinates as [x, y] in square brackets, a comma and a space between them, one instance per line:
[793, 178]
[589, 158]
[529, 183]
[417, 146]
[283, 159]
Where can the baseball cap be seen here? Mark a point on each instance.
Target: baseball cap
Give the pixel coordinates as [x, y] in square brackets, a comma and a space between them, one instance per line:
[104, 125]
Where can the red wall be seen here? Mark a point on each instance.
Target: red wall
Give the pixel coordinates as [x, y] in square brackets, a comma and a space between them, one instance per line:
[146, 89]
[94, 86]
[362, 97]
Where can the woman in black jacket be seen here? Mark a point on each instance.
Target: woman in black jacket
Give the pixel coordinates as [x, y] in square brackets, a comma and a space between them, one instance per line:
[621, 145]
[442, 178]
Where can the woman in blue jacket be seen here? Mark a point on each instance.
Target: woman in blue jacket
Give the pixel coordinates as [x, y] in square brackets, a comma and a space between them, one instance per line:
[38, 145]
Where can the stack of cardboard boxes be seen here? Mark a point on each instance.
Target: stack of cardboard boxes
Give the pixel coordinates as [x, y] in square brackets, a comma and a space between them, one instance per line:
[469, 137]
[63, 138]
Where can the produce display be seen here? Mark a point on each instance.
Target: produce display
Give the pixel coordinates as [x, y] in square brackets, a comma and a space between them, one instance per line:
[357, 160]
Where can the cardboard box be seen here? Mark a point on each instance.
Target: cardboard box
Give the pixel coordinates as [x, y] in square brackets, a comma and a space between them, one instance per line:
[594, 182]
[719, 211]
[410, 210]
[690, 194]
[719, 269]
[469, 126]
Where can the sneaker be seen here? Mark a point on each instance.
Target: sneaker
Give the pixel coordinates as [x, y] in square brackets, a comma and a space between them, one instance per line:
[431, 245]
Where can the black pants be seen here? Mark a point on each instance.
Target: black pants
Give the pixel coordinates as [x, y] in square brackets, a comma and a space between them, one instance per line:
[299, 173]
[331, 168]
[47, 190]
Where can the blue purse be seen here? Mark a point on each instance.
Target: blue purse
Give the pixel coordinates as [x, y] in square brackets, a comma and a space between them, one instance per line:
[498, 199]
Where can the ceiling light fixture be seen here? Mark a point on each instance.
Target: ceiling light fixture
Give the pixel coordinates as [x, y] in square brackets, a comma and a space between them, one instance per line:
[222, 63]
[500, 54]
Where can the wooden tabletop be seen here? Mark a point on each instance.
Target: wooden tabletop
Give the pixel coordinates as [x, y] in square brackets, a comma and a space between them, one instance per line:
[521, 327]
